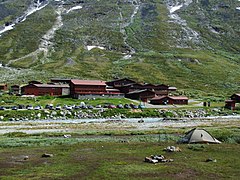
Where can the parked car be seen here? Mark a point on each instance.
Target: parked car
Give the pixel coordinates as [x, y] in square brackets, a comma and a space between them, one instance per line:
[77, 107]
[98, 106]
[49, 106]
[106, 105]
[126, 106]
[111, 106]
[141, 106]
[2, 108]
[20, 106]
[134, 106]
[90, 107]
[29, 107]
[58, 107]
[120, 106]
[14, 108]
[69, 108]
[84, 107]
[37, 107]
[131, 105]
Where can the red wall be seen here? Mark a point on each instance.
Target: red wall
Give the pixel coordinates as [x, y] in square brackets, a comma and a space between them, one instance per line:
[30, 90]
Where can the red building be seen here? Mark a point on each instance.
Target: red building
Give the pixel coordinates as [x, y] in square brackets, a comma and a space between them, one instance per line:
[45, 89]
[164, 100]
[142, 95]
[91, 88]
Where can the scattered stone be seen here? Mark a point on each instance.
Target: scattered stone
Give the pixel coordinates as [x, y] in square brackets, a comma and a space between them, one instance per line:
[211, 160]
[45, 155]
[67, 135]
[38, 115]
[25, 158]
[172, 149]
[156, 159]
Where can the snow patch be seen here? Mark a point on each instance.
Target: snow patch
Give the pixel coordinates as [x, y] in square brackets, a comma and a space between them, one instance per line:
[172, 9]
[89, 48]
[7, 28]
[187, 34]
[31, 9]
[74, 8]
[238, 8]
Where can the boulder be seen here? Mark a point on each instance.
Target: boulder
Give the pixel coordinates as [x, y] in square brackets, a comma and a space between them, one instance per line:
[46, 155]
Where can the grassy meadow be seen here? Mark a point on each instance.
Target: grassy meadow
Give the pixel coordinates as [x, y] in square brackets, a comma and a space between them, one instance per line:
[113, 158]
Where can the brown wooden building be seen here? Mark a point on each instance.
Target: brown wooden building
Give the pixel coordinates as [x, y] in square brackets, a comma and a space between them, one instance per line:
[230, 104]
[120, 82]
[15, 89]
[164, 100]
[236, 98]
[45, 89]
[158, 89]
[3, 87]
[142, 95]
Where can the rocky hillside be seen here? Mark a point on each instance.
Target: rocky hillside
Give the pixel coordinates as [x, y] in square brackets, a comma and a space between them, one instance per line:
[191, 44]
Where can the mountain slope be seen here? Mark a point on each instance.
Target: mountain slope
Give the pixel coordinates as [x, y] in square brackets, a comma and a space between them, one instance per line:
[191, 44]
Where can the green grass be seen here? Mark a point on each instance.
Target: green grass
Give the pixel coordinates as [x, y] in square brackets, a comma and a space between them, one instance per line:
[103, 160]
[8, 100]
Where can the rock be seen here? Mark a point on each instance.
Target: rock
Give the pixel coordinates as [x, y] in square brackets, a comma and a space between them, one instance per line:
[54, 113]
[38, 115]
[45, 155]
[67, 135]
[25, 157]
[172, 149]
[211, 160]
[157, 157]
[46, 112]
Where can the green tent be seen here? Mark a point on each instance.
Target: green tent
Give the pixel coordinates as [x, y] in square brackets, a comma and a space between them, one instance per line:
[198, 136]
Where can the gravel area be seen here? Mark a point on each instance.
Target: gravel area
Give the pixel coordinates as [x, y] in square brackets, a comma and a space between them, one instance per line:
[78, 125]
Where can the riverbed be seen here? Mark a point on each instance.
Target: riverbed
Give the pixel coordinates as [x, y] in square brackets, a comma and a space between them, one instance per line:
[99, 125]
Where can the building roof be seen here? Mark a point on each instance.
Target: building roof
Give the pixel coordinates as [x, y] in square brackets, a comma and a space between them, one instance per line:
[158, 97]
[15, 85]
[171, 97]
[116, 80]
[60, 79]
[49, 85]
[172, 88]
[114, 90]
[139, 91]
[236, 94]
[178, 97]
[88, 82]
